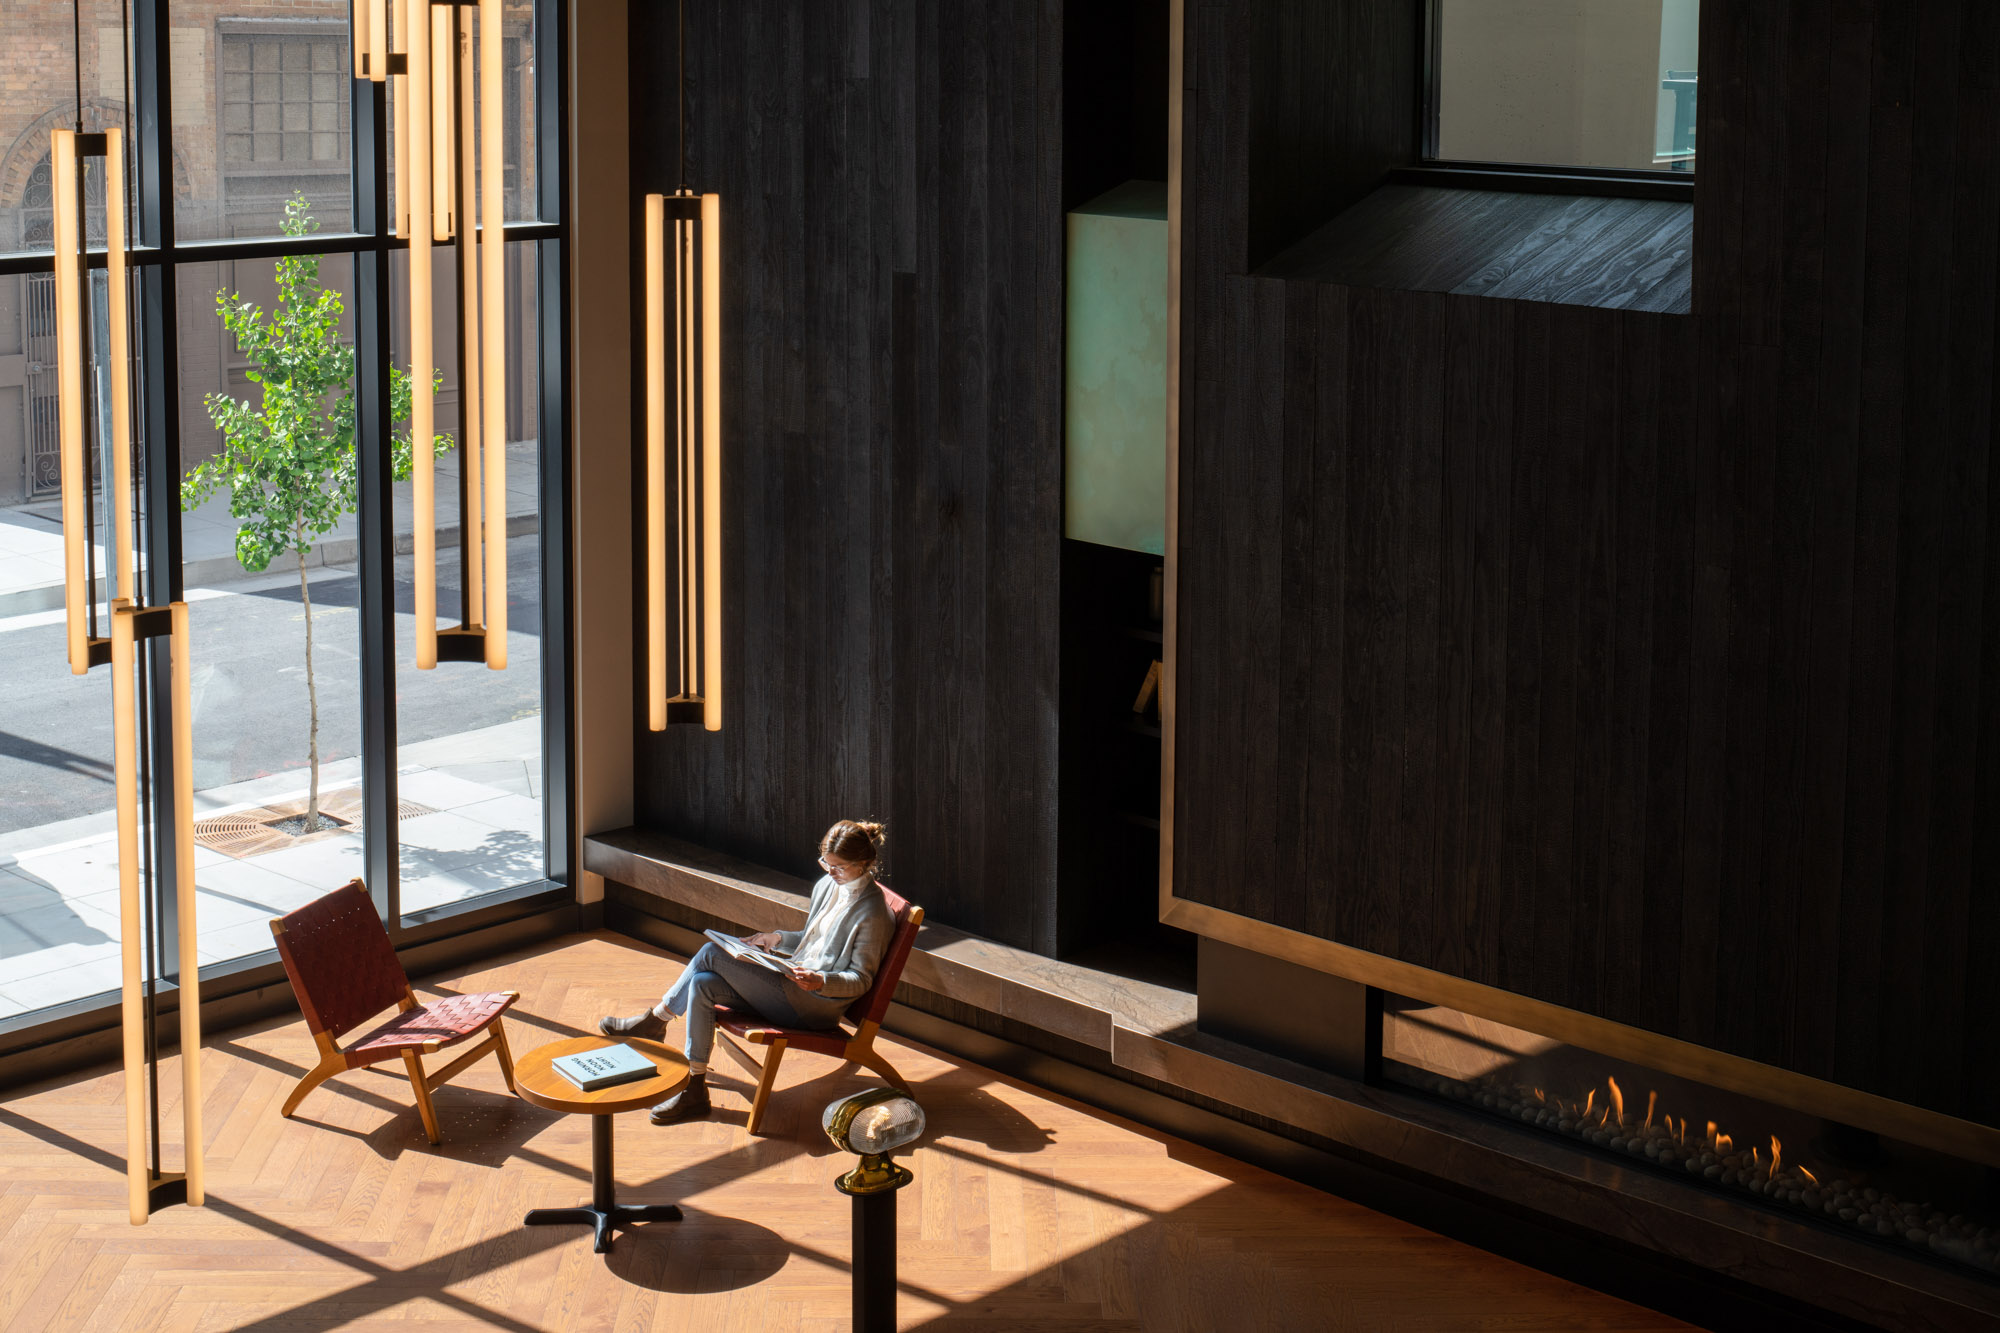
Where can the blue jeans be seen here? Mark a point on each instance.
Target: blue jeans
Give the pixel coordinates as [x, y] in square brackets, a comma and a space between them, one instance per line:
[712, 977]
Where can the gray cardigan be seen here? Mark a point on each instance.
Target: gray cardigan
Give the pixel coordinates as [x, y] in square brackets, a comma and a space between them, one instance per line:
[861, 931]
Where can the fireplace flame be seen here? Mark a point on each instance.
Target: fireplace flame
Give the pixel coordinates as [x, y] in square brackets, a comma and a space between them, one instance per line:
[1809, 1176]
[1709, 1138]
[1777, 1154]
[1724, 1144]
[1590, 1103]
[1617, 1101]
[1652, 1099]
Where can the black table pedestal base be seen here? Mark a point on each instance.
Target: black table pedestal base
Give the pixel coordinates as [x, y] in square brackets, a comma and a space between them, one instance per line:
[602, 1220]
[604, 1212]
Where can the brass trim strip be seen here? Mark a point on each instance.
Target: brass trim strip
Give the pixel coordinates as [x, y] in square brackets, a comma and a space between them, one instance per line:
[1864, 1110]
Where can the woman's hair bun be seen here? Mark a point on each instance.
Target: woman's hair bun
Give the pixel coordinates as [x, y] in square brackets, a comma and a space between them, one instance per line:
[854, 840]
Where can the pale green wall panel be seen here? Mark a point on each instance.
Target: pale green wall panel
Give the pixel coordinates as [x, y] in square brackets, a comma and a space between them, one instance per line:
[1115, 371]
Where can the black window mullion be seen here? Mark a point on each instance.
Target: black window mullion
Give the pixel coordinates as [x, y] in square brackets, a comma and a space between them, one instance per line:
[375, 558]
[159, 406]
[552, 329]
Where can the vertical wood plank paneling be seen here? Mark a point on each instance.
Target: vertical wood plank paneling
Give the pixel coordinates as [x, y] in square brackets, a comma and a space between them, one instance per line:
[1528, 529]
[1597, 561]
[1326, 775]
[1297, 667]
[1649, 666]
[1417, 376]
[893, 308]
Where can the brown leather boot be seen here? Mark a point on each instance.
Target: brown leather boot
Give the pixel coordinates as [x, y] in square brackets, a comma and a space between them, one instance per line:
[691, 1103]
[645, 1026]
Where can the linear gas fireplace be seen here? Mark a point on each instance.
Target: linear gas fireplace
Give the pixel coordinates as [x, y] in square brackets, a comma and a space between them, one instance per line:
[1896, 1193]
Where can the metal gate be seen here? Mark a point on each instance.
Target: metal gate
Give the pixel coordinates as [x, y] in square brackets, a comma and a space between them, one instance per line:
[43, 458]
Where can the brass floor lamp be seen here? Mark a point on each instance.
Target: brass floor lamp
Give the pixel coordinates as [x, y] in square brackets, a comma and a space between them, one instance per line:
[73, 155]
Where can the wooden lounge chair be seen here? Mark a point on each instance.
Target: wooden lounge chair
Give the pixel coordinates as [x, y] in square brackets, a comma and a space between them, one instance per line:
[344, 972]
[865, 1013]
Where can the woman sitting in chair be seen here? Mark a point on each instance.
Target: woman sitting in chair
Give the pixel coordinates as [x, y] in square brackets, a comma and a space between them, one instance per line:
[832, 960]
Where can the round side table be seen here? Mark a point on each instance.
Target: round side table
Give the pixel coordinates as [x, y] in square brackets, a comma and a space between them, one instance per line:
[538, 1083]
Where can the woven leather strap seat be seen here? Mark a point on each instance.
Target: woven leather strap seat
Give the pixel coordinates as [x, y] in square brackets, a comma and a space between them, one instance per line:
[431, 1026]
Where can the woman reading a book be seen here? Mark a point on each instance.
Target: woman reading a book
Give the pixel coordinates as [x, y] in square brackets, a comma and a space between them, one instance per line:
[792, 978]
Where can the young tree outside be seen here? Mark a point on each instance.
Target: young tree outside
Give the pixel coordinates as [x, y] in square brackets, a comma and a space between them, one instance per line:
[289, 462]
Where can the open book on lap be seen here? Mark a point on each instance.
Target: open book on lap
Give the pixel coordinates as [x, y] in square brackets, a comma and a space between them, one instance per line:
[749, 953]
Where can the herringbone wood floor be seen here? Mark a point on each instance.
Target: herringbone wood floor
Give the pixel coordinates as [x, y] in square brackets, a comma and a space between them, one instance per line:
[1028, 1211]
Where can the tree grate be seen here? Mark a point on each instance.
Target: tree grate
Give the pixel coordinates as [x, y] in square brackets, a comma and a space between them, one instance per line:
[246, 833]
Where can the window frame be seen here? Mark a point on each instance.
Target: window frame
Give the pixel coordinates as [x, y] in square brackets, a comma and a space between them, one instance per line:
[79, 1028]
[1527, 177]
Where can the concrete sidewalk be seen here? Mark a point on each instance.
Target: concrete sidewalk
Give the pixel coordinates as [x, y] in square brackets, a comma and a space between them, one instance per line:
[31, 553]
[59, 911]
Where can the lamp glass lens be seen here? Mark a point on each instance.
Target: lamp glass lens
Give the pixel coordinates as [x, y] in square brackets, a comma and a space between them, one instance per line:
[886, 1126]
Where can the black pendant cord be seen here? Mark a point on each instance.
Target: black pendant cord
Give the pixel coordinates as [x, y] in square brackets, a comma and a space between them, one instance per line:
[681, 93]
[76, 29]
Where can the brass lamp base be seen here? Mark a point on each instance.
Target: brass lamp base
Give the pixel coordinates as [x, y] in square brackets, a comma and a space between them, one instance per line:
[875, 1175]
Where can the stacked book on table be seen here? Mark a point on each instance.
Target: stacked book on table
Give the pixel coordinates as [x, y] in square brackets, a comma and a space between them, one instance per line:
[606, 1068]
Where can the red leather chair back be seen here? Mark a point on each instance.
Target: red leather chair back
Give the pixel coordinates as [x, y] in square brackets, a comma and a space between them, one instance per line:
[871, 1004]
[338, 955]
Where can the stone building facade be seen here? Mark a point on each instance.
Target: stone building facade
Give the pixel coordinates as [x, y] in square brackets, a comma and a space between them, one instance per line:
[260, 93]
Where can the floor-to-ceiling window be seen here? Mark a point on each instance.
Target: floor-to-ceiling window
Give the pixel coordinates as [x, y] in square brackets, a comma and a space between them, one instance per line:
[321, 752]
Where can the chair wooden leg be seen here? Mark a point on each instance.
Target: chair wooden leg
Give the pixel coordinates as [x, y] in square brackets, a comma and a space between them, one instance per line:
[503, 1054]
[872, 1059]
[738, 1054]
[319, 1074]
[765, 1084]
[424, 1107]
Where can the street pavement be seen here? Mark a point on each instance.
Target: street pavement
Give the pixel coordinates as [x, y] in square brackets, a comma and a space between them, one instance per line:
[248, 686]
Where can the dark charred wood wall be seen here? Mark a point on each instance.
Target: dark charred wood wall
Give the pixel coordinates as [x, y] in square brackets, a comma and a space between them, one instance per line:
[891, 177]
[1646, 664]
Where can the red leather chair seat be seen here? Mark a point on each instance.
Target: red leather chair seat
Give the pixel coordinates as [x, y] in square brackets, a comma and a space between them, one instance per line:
[438, 1023]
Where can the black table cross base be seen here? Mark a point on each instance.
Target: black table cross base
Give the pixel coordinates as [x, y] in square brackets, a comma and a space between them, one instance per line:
[605, 1212]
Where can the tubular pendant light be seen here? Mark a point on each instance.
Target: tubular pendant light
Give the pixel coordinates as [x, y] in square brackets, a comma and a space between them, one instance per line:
[415, 169]
[683, 353]
[129, 623]
[131, 1009]
[193, 1175]
[471, 449]
[378, 41]
[399, 92]
[360, 23]
[63, 174]
[450, 188]
[443, 112]
[493, 324]
[656, 465]
[711, 459]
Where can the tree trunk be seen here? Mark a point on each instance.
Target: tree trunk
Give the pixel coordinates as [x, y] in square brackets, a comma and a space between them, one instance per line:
[312, 701]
